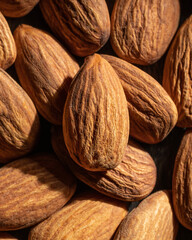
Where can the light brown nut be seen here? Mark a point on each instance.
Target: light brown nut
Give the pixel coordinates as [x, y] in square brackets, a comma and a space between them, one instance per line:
[95, 119]
[142, 30]
[7, 236]
[182, 182]
[177, 76]
[45, 70]
[83, 25]
[153, 219]
[7, 47]
[17, 8]
[88, 216]
[32, 188]
[152, 112]
[132, 180]
[19, 121]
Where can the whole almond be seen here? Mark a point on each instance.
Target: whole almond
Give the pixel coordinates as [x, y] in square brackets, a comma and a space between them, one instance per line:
[177, 74]
[133, 179]
[83, 25]
[19, 121]
[17, 8]
[45, 70]
[88, 216]
[8, 49]
[152, 112]
[182, 180]
[142, 30]
[32, 188]
[153, 219]
[95, 119]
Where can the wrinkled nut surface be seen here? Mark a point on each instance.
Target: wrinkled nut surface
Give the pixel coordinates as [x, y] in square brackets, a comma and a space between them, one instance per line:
[182, 180]
[177, 76]
[141, 31]
[153, 219]
[133, 179]
[95, 119]
[83, 25]
[152, 112]
[7, 48]
[88, 216]
[17, 8]
[45, 70]
[19, 121]
[32, 188]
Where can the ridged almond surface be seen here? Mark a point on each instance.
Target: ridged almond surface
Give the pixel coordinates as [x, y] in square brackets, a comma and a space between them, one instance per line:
[45, 70]
[133, 179]
[32, 188]
[7, 48]
[88, 216]
[153, 219]
[19, 121]
[83, 25]
[7, 236]
[141, 30]
[177, 76]
[17, 8]
[182, 182]
[152, 112]
[95, 119]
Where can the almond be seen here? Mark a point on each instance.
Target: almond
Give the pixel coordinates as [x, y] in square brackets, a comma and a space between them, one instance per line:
[88, 216]
[95, 119]
[153, 219]
[182, 180]
[152, 112]
[142, 30]
[32, 188]
[83, 25]
[45, 70]
[177, 76]
[19, 121]
[133, 179]
[8, 49]
[17, 8]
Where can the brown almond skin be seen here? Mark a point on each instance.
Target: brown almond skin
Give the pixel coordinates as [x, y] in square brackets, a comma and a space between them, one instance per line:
[153, 219]
[152, 112]
[17, 8]
[141, 31]
[19, 121]
[8, 50]
[177, 75]
[83, 25]
[45, 70]
[7, 236]
[33, 188]
[182, 180]
[88, 216]
[95, 119]
[132, 180]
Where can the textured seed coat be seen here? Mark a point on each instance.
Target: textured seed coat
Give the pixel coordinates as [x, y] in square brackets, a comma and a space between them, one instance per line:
[153, 219]
[45, 70]
[177, 76]
[141, 30]
[88, 216]
[182, 182]
[133, 179]
[32, 189]
[95, 119]
[152, 112]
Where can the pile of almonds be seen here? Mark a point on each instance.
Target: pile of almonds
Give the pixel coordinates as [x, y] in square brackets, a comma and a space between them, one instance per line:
[82, 129]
